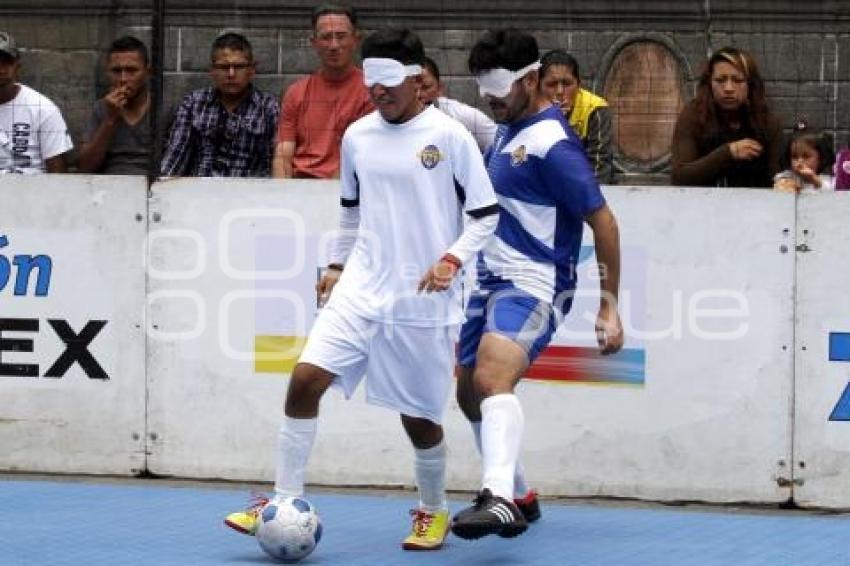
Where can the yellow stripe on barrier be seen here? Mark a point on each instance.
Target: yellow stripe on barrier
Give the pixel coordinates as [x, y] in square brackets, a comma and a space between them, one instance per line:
[277, 354]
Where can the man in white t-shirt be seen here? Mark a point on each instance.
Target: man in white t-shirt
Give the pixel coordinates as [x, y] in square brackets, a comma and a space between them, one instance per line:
[33, 135]
[417, 205]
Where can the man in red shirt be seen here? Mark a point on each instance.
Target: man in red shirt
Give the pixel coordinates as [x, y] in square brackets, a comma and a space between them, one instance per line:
[318, 108]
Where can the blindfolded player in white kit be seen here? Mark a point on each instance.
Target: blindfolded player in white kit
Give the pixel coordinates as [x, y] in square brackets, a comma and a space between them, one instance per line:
[417, 204]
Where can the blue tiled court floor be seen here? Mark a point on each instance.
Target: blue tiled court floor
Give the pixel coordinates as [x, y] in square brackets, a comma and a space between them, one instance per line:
[92, 522]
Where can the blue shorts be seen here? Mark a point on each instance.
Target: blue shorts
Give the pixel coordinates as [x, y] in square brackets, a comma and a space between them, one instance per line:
[526, 320]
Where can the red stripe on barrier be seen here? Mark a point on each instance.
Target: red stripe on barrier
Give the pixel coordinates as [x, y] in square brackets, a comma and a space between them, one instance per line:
[561, 363]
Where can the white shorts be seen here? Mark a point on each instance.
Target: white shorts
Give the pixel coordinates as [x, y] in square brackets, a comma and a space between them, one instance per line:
[410, 368]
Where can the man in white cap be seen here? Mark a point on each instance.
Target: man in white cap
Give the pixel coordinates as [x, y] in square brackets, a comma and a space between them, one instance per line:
[33, 134]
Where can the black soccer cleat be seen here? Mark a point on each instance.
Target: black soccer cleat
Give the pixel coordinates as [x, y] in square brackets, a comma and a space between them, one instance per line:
[489, 515]
[529, 506]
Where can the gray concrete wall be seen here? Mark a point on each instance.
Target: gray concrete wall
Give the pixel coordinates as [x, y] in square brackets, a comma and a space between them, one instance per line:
[803, 48]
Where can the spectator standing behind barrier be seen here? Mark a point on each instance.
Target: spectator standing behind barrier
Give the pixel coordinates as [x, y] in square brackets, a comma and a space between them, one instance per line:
[482, 128]
[226, 130]
[118, 138]
[317, 109]
[33, 134]
[588, 114]
[807, 161]
[727, 136]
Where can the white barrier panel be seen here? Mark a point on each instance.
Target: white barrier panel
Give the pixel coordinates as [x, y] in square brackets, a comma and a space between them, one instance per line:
[211, 415]
[711, 419]
[698, 407]
[822, 403]
[72, 365]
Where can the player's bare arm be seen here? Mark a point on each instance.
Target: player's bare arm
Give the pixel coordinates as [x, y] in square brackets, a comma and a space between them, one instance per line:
[606, 235]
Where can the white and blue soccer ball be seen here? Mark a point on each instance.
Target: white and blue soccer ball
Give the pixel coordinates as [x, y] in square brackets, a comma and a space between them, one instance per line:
[289, 529]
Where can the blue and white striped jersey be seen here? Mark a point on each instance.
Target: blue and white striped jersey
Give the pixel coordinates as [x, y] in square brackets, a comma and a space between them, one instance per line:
[546, 188]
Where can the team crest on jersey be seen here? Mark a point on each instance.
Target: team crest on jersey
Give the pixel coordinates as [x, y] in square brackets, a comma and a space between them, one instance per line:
[430, 156]
[519, 156]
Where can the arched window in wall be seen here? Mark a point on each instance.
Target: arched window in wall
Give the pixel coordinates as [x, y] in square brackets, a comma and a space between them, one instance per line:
[644, 83]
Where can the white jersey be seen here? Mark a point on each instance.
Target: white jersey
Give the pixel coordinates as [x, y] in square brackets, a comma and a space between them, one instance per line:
[411, 181]
[477, 122]
[32, 130]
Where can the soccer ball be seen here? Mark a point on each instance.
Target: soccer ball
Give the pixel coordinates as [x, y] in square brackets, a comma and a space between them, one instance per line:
[289, 529]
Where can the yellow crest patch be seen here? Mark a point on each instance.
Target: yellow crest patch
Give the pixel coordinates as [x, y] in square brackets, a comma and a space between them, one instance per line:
[430, 156]
[519, 156]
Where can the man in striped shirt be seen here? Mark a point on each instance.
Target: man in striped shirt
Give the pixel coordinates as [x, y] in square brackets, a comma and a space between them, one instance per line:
[226, 130]
[526, 272]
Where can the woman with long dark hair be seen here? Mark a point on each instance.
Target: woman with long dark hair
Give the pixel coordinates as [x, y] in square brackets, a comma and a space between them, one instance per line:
[727, 136]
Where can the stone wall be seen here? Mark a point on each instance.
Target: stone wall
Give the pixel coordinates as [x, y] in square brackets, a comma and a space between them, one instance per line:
[803, 48]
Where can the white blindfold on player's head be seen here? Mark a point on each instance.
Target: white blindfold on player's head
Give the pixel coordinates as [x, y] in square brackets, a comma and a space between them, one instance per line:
[387, 72]
[498, 82]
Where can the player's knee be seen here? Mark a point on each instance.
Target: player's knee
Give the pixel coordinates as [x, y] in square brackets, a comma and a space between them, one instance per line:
[488, 381]
[423, 433]
[306, 387]
[468, 400]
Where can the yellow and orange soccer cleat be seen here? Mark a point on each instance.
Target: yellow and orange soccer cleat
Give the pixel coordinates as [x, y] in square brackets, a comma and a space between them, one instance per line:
[429, 530]
[246, 521]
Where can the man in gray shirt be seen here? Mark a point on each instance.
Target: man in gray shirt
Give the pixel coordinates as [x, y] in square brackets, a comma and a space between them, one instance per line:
[118, 138]
[482, 128]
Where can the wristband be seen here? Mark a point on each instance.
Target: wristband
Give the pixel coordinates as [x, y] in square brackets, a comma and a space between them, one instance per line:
[336, 266]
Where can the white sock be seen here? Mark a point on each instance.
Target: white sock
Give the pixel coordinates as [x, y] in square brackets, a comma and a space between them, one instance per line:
[294, 445]
[521, 488]
[430, 465]
[501, 433]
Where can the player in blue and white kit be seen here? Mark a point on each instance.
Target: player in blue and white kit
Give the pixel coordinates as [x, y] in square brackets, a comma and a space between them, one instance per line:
[526, 272]
[409, 177]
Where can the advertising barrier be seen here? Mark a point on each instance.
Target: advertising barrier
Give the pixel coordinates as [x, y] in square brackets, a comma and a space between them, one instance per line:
[158, 333]
[72, 341]
[695, 407]
[822, 350]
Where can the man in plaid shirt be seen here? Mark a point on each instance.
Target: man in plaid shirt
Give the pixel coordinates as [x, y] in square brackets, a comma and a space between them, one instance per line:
[226, 130]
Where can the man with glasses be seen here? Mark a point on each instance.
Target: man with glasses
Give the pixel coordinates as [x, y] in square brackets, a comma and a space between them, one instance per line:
[526, 272]
[318, 108]
[226, 130]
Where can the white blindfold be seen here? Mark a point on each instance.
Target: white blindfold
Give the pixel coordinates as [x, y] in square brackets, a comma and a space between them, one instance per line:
[387, 72]
[498, 82]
